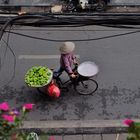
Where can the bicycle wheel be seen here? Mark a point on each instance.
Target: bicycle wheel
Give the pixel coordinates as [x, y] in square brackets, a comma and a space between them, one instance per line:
[86, 87]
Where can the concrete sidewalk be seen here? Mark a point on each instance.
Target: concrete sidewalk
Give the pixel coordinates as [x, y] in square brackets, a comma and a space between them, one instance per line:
[117, 9]
[78, 129]
[123, 9]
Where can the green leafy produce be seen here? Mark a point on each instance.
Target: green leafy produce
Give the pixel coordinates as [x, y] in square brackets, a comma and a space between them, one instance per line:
[38, 76]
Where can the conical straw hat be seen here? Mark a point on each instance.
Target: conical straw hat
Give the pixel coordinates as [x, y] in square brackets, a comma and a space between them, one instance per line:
[67, 47]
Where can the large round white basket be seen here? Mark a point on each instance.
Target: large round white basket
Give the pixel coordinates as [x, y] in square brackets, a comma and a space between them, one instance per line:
[88, 69]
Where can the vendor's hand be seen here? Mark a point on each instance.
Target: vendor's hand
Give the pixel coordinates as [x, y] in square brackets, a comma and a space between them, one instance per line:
[76, 64]
[73, 75]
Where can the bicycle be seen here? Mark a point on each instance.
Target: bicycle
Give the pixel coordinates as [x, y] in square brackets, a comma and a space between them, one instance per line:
[82, 84]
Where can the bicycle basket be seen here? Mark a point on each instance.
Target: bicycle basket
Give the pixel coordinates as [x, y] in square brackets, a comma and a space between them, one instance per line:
[38, 76]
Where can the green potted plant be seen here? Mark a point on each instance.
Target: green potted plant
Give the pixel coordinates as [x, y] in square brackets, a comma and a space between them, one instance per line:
[133, 129]
[11, 120]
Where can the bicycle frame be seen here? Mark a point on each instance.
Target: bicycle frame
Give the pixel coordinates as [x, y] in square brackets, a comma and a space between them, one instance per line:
[71, 81]
[82, 84]
[60, 83]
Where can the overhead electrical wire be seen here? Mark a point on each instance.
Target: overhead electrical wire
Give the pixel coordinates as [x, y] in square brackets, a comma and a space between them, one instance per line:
[11, 21]
[14, 67]
[56, 21]
[73, 29]
[76, 40]
[4, 56]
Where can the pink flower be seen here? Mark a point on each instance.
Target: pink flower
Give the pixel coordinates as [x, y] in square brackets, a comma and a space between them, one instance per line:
[28, 107]
[128, 122]
[51, 138]
[4, 106]
[8, 118]
[14, 113]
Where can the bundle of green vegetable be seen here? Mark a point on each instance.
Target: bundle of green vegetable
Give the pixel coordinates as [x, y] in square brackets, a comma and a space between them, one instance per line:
[38, 76]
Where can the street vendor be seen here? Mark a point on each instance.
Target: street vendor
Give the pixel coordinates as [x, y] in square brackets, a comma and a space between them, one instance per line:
[67, 59]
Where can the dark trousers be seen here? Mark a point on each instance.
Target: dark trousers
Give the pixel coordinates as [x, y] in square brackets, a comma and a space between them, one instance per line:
[59, 71]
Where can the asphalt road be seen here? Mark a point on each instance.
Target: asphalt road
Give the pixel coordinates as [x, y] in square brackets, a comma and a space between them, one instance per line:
[118, 58]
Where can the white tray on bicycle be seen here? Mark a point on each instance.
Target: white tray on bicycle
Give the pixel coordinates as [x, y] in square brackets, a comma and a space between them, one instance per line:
[88, 69]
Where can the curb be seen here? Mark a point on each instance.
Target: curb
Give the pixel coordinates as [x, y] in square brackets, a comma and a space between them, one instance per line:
[76, 127]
